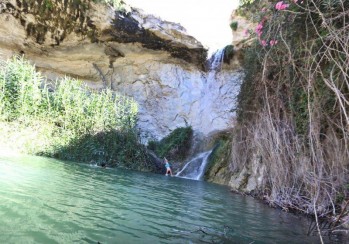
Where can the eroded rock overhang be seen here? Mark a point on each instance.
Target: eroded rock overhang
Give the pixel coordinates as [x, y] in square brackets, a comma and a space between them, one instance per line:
[50, 23]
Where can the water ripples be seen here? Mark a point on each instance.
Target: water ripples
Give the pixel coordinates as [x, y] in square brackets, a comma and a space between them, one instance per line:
[45, 201]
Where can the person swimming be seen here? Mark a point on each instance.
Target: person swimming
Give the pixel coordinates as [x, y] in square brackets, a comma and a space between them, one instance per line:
[168, 167]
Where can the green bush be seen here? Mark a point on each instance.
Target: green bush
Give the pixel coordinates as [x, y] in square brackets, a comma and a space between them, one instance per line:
[114, 147]
[228, 53]
[234, 25]
[175, 146]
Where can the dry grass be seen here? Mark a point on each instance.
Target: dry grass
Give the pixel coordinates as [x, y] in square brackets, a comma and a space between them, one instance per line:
[305, 171]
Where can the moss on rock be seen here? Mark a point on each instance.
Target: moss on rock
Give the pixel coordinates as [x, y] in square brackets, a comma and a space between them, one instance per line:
[217, 170]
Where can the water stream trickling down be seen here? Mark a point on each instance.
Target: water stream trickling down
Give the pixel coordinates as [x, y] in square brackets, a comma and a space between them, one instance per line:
[216, 61]
[195, 168]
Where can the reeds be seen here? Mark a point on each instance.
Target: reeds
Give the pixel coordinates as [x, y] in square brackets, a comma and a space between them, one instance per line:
[52, 119]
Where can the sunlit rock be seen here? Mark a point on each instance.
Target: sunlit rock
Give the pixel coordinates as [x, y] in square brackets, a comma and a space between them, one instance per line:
[154, 61]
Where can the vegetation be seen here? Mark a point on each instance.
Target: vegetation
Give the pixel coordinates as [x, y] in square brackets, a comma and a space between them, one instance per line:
[228, 53]
[234, 25]
[119, 5]
[66, 119]
[175, 146]
[217, 169]
[114, 147]
[293, 104]
[48, 5]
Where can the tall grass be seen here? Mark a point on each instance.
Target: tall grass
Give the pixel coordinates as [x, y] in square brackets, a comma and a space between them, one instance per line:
[48, 119]
[20, 90]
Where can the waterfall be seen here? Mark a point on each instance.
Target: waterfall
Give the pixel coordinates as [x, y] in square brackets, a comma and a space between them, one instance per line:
[216, 60]
[195, 168]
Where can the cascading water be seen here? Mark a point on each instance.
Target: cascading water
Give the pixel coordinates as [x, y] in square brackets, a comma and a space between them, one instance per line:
[216, 61]
[195, 168]
[212, 91]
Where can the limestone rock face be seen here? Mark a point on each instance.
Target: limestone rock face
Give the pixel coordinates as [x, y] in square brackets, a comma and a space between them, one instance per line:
[171, 95]
[242, 35]
[155, 62]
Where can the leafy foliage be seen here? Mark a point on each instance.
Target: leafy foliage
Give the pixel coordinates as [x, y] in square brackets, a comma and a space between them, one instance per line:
[20, 92]
[72, 106]
[175, 146]
[67, 119]
[229, 53]
[113, 147]
[234, 25]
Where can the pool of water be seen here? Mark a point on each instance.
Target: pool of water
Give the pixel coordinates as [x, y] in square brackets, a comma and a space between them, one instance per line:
[50, 201]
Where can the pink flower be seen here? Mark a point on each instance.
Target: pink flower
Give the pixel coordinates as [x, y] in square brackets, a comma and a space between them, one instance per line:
[264, 43]
[281, 5]
[278, 5]
[273, 42]
[259, 29]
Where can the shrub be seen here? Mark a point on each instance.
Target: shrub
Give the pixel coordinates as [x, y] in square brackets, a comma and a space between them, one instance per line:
[228, 53]
[120, 148]
[175, 146]
[234, 25]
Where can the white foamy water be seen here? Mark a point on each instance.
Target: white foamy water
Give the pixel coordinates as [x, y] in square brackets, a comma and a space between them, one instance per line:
[195, 168]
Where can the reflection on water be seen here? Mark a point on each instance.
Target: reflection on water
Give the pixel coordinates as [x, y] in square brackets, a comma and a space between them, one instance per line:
[49, 201]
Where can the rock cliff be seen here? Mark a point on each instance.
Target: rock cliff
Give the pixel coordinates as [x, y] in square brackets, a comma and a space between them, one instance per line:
[154, 61]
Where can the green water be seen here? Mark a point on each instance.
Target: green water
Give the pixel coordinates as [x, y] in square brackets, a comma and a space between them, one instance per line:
[50, 201]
